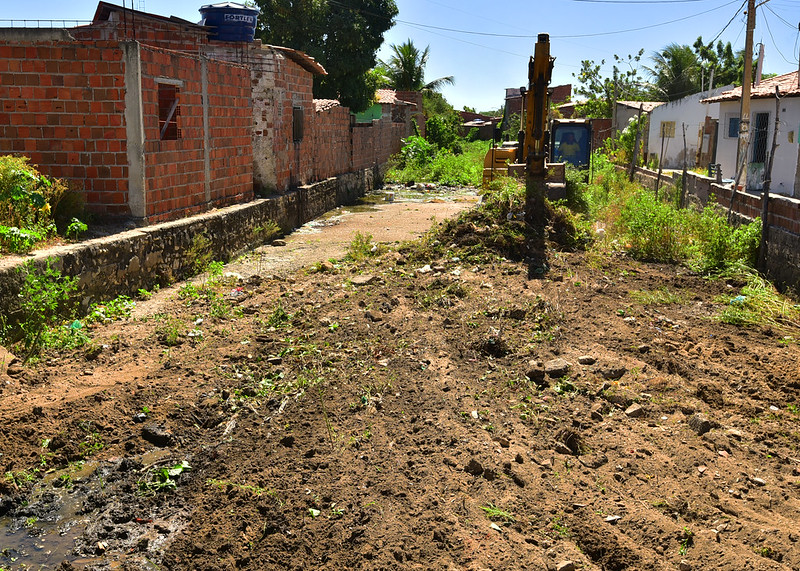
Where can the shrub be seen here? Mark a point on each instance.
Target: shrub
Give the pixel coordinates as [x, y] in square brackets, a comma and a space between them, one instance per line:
[654, 231]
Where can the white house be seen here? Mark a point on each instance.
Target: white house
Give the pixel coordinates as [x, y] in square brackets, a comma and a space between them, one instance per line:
[699, 118]
[785, 172]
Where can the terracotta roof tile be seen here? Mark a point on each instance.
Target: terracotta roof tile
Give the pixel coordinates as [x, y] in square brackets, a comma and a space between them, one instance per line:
[786, 83]
[325, 104]
[389, 96]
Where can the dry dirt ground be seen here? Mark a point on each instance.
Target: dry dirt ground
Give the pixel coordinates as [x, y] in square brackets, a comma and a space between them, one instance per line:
[411, 413]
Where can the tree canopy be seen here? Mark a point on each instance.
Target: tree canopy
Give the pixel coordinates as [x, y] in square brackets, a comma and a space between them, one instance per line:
[342, 35]
[675, 72]
[405, 69]
[600, 91]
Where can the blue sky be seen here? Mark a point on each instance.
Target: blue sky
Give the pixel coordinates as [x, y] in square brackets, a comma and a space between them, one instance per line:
[485, 61]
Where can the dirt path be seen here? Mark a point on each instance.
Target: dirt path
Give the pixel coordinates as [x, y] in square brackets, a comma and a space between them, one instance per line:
[432, 408]
[389, 217]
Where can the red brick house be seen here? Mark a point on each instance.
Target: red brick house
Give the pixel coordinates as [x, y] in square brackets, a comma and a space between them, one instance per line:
[153, 120]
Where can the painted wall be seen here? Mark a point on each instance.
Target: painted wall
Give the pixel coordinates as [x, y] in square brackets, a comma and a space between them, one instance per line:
[689, 112]
[784, 170]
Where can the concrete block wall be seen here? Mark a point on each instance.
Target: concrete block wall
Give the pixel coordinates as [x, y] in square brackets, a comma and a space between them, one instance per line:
[62, 105]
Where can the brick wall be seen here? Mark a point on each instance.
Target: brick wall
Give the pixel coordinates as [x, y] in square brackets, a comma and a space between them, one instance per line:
[62, 105]
[175, 170]
[333, 146]
[154, 32]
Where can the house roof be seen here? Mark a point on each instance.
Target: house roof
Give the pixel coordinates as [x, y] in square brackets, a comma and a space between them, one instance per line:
[786, 84]
[647, 106]
[325, 104]
[389, 96]
[302, 59]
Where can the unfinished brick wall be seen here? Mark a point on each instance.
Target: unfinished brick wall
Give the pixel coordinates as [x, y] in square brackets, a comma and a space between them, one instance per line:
[293, 159]
[175, 170]
[62, 105]
[331, 142]
[151, 31]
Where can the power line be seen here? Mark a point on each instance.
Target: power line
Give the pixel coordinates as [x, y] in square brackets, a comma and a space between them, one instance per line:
[555, 36]
[639, 1]
[729, 22]
[775, 44]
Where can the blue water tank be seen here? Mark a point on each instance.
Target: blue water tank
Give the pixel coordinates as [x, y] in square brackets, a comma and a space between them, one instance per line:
[230, 21]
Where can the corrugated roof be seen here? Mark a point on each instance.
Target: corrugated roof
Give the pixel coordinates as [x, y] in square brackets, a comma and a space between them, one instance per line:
[647, 106]
[786, 84]
[325, 104]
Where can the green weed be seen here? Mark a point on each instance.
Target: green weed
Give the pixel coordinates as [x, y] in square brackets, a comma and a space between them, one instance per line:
[161, 479]
[496, 514]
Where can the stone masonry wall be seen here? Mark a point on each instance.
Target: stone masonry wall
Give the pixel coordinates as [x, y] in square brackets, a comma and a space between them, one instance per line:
[124, 263]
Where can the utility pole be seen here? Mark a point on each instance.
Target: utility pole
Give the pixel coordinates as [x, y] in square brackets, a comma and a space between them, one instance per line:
[747, 80]
[744, 113]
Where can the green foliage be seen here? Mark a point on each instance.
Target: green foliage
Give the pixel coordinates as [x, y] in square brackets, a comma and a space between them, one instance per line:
[496, 514]
[405, 69]
[675, 72]
[162, 479]
[759, 303]
[361, 247]
[44, 301]
[442, 131]
[719, 244]
[416, 151]
[343, 36]
[599, 91]
[75, 229]
[653, 230]
[113, 310]
[19, 241]
[419, 161]
[657, 230]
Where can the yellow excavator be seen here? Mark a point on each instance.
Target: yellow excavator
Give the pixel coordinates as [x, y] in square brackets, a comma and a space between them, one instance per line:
[543, 147]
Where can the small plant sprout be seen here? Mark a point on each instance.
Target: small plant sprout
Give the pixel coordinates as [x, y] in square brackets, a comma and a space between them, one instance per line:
[687, 540]
[496, 514]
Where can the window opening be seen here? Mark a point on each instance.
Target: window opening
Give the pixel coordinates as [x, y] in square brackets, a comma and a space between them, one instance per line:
[168, 111]
[733, 127]
[297, 124]
[760, 138]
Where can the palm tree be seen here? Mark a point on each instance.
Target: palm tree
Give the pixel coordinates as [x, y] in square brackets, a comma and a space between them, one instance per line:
[405, 70]
[676, 72]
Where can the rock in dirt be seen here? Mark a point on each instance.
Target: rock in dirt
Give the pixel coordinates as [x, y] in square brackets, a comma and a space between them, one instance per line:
[699, 423]
[556, 367]
[366, 279]
[613, 373]
[535, 373]
[586, 360]
[474, 467]
[157, 435]
[565, 566]
[684, 566]
[635, 411]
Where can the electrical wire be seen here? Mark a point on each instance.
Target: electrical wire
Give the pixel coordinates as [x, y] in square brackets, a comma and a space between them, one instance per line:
[777, 49]
[638, 1]
[729, 23]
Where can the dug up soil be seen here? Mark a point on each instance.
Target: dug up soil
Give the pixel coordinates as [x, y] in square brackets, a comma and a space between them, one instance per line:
[455, 412]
